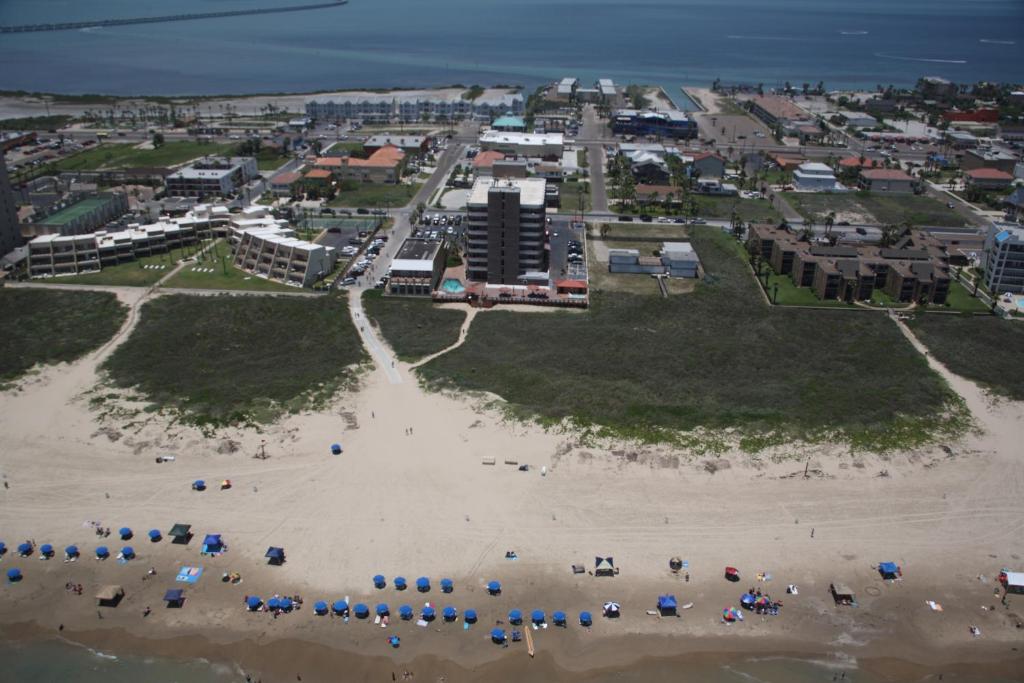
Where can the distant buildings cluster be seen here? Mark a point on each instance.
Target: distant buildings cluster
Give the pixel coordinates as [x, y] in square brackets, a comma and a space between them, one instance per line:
[416, 106]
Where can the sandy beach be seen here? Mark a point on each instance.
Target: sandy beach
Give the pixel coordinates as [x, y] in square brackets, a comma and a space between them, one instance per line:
[410, 496]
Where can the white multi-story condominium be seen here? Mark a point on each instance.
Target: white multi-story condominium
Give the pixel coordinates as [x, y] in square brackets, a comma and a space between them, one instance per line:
[212, 177]
[1004, 258]
[416, 105]
[506, 237]
[275, 254]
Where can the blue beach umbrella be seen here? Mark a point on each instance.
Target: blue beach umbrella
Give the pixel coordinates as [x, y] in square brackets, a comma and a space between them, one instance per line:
[494, 587]
[537, 616]
[3, 547]
[253, 602]
[336, 448]
[515, 617]
[405, 612]
[339, 607]
[199, 485]
[285, 603]
[449, 613]
[274, 603]
[25, 548]
[447, 586]
[320, 607]
[128, 552]
[378, 581]
[14, 574]
[558, 618]
[423, 584]
[71, 551]
[155, 535]
[125, 533]
[383, 609]
[46, 549]
[102, 552]
[586, 619]
[428, 613]
[361, 611]
[470, 616]
[498, 635]
[399, 583]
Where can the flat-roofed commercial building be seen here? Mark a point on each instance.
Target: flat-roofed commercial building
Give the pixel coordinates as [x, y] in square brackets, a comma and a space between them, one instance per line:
[79, 217]
[671, 123]
[524, 144]
[506, 234]
[410, 144]
[274, 253]
[417, 267]
[212, 177]
[773, 110]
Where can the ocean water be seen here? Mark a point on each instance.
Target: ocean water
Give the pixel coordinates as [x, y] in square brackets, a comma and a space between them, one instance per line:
[390, 43]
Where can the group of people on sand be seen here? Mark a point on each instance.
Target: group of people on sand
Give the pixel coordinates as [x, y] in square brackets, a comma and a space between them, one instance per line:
[75, 588]
[100, 529]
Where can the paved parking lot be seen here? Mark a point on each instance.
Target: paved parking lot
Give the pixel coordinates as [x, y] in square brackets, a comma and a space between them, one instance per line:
[562, 231]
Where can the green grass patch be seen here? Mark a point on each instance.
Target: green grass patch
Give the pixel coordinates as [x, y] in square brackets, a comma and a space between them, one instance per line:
[374, 195]
[756, 210]
[413, 327]
[985, 349]
[268, 159]
[876, 207]
[225, 360]
[716, 358]
[570, 197]
[224, 276]
[53, 326]
[960, 299]
[788, 294]
[117, 156]
[581, 158]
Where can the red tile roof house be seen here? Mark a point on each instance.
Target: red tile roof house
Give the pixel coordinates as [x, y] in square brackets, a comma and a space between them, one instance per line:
[281, 184]
[886, 180]
[383, 166]
[989, 179]
[483, 162]
[854, 162]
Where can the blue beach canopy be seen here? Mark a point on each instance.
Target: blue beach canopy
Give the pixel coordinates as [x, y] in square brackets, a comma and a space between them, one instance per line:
[128, 551]
[537, 616]
[125, 533]
[447, 585]
[399, 583]
[383, 609]
[285, 603]
[46, 549]
[449, 613]
[498, 635]
[71, 551]
[405, 611]
[361, 610]
[428, 613]
[102, 551]
[212, 540]
[888, 568]
[470, 616]
[174, 595]
[558, 617]
[13, 574]
[378, 581]
[274, 603]
[423, 584]
[320, 607]
[275, 554]
[24, 548]
[155, 535]
[253, 602]
[586, 619]
[515, 616]
[666, 602]
[494, 587]
[339, 607]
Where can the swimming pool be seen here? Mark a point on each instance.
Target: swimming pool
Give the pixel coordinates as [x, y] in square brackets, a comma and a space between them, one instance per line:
[452, 286]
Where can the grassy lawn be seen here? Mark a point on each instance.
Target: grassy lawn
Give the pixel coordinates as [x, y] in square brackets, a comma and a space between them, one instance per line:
[960, 299]
[413, 327]
[581, 158]
[224, 276]
[570, 197]
[790, 295]
[112, 155]
[131, 274]
[53, 326]
[374, 195]
[756, 210]
[985, 349]
[876, 208]
[715, 358]
[238, 359]
[349, 145]
[270, 160]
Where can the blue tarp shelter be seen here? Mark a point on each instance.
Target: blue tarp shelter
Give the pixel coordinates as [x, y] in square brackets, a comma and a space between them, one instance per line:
[449, 613]
[361, 611]
[339, 607]
[405, 612]
[889, 570]
[14, 574]
[383, 609]
[155, 535]
[428, 613]
[174, 597]
[423, 584]
[447, 586]
[498, 635]
[558, 618]
[379, 581]
[125, 533]
[470, 616]
[25, 549]
[667, 604]
[253, 602]
[102, 552]
[537, 616]
[586, 619]
[71, 551]
[320, 607]
[274, 555]
[515, 617]
[213, 543]
[494, 587]
[399, 582]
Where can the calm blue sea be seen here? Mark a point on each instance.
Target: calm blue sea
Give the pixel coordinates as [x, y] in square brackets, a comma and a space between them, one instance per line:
[435, 42]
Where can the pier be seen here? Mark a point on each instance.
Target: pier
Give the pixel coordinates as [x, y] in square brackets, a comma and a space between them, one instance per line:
[74, 25]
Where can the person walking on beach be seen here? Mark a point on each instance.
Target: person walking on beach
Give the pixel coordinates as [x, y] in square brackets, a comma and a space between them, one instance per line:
[812, 532]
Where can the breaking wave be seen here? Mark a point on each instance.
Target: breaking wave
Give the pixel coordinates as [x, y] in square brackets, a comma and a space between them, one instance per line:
[921, 59]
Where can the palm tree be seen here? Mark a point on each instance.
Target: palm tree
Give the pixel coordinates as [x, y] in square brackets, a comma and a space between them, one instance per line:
[889, 234]
[830, 220]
